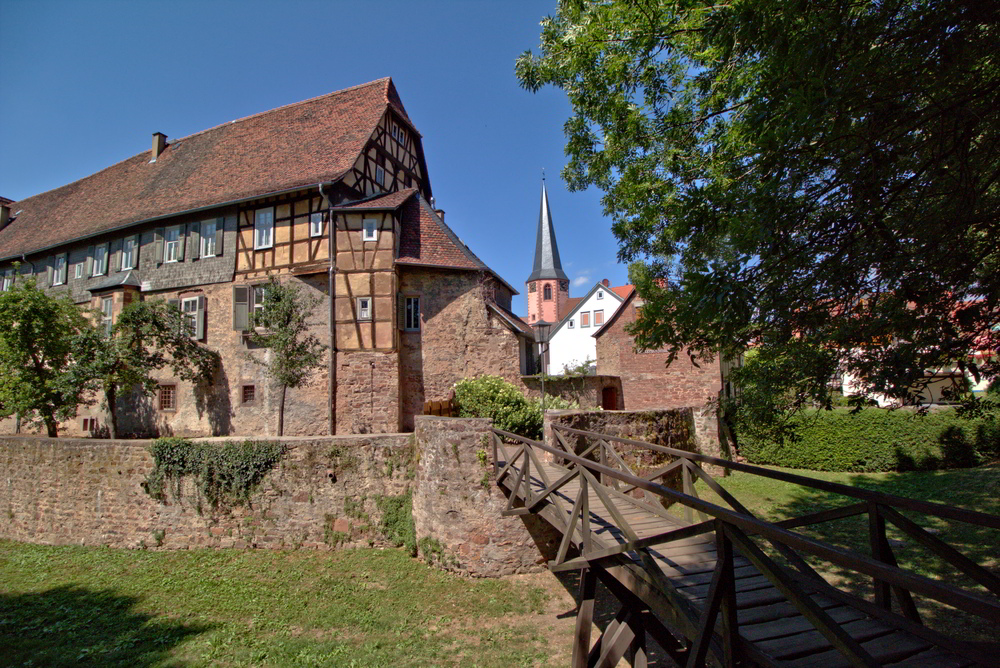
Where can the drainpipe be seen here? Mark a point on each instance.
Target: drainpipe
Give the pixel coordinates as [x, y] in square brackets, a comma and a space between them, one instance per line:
[331, 397]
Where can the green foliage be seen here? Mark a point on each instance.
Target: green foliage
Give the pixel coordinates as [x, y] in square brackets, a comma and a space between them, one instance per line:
[876, 439]
[554, 403]
[281, 325]
[226, 474]
[434, 553]
[777, 173]
[147, 336]
[397, 521]
[36, 356]
[493, 397]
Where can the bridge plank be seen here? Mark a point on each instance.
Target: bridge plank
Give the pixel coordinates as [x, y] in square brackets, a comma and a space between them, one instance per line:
[813, 642]
[794, 624]
[887, 649]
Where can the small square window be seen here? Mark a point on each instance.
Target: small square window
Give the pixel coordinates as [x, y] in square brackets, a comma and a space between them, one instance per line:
[572, 324]
[369, 229]
[249, 394]
[316, 225]
[600, 294]
[585, 319]
[168, 397]
[78, 272]
[364, 308]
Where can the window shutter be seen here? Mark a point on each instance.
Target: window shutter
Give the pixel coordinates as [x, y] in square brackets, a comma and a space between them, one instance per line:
[241, 307]
[176, 303]
[400, 311]
[49, 269]
[195, 235]
[158, 246]
[200, 319]
[219, 224]
[115, 264]
[88, 268]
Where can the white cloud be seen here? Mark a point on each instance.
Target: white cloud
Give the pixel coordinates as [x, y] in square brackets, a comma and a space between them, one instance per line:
[580, 281]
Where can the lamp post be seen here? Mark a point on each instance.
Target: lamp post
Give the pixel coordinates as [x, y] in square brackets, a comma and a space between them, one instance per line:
[542, 329]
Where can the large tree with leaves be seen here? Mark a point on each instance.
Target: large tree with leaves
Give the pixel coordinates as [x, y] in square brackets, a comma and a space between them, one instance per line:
[820, 172]
[36, 356]
[146, 337]
[281, 325]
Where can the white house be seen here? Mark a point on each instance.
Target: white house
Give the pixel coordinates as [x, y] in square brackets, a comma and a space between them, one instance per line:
[572, 342]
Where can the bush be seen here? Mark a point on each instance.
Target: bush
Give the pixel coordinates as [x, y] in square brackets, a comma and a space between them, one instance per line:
[877, 439]
[493, 397]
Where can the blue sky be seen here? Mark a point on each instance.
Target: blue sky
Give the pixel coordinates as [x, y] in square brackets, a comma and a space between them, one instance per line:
[86, 83]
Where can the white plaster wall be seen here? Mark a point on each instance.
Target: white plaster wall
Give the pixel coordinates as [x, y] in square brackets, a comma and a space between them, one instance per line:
[570, 347]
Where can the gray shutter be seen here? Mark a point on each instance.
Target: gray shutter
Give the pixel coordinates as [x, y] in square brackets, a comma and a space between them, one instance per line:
[116, 247]
[182, 242]
[400, 310]
[241, 307]
[195, 236]
[50, 269]
[176, 303]
[158, 246]
[199, 327]
[106, 269]
[220, 223]
[88, 267]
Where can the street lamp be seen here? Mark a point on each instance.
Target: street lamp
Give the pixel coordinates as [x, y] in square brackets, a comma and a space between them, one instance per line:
[542, 330]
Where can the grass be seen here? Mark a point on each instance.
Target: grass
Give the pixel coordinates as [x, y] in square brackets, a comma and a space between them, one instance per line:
[67, 605]
[975, 489]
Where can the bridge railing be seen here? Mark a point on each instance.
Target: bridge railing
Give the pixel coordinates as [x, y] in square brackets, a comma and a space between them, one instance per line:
[600, 467]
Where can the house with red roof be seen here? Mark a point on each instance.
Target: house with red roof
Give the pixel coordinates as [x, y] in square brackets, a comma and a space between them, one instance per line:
[331, 193]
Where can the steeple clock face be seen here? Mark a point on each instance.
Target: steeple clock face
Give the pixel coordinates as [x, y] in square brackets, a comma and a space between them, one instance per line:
[563, 286]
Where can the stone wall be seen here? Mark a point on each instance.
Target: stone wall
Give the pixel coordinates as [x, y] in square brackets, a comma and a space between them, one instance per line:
[89, 492]
[587, 391]
[457, 506]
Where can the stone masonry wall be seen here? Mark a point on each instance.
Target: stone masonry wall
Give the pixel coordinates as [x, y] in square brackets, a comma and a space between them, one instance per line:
[457, 505]
[89, 492]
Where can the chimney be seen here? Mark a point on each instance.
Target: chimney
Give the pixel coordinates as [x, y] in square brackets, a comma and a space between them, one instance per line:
[605, 282]
[440, 214]
[4, 215]
[159, 143]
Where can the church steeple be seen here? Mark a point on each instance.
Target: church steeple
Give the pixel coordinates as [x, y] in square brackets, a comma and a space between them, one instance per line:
[547, 263]
[548, 285]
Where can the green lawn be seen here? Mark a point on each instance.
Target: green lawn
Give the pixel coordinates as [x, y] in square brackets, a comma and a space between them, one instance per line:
[66, 605]
[975, 489]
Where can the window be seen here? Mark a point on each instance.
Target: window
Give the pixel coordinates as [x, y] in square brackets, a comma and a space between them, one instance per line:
[208, 230]
[8, 281]
[100, 260]
[598, 318]
[128, 253]
[189, 309]
[107, 309]
[572, 324]
[532, 287]
[78, 272]
[547, 292]
[563, 286]
[401, 136]
[59, 271]
[249, 394]
[380, 175]
[316, 225]
[585, 319]
[369, 229]
[259, 294]
[600, 294]
[172, 244]
[168, 397]
[263, 229]
[364, 308]
[412, 313]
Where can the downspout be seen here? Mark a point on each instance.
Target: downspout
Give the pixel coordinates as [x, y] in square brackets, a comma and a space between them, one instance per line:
[331, 289]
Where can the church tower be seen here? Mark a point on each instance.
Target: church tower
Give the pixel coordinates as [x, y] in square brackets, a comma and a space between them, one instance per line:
[548, 285]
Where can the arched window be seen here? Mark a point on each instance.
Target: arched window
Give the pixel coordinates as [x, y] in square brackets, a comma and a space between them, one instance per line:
[547, 292]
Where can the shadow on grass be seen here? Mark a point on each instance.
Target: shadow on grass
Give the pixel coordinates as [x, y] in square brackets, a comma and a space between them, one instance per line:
[974, 489]
[71, 625]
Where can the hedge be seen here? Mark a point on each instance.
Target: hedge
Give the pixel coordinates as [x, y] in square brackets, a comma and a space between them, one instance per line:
[493, 397]
[877, 439]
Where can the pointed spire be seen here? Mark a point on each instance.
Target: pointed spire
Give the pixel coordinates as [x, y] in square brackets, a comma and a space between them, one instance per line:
[547, 263]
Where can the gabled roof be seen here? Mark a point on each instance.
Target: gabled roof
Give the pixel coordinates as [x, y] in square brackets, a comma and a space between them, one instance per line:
[578, 304]
[380, 202]
[515, 322]
[547, 263]
[630, 294]
[280, 150]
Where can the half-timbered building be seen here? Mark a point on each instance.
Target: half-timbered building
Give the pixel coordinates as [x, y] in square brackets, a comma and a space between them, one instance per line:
[332, 193]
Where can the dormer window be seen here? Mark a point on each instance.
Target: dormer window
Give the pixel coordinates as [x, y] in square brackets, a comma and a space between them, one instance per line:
[100, 260]
[59, 271]
[172, 244]
[128, 253]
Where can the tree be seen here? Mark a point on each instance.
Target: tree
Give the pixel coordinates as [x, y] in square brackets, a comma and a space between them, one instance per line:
[823, 174]
[146, 337]
[280, 325]
[36, 335]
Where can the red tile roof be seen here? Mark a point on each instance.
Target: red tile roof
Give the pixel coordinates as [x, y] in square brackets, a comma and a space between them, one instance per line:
[623, 291]
[571, 303]
[381, 202]
[426, 240]
[294, 146]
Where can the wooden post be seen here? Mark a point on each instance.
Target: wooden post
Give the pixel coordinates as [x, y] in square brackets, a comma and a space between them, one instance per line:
[584, 618]
[881, 551]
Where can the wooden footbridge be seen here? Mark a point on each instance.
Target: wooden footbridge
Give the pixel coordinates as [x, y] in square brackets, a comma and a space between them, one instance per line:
[718, 585]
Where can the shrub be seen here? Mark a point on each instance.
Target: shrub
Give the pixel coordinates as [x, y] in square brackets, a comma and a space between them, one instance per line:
[397, 521]
[876, 439]
[493, 397]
